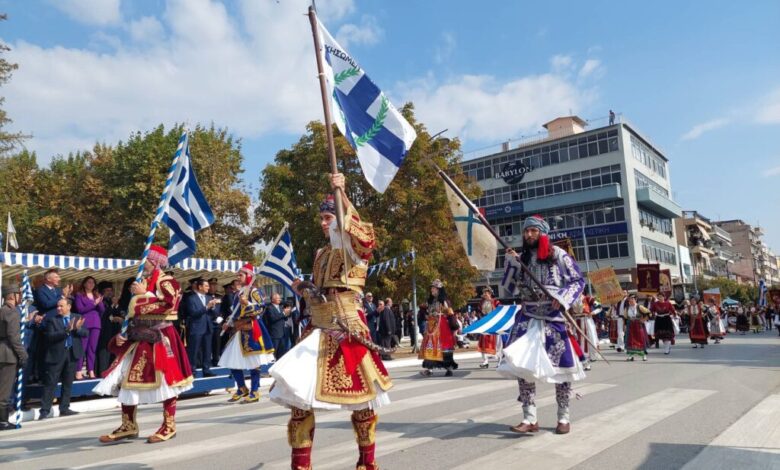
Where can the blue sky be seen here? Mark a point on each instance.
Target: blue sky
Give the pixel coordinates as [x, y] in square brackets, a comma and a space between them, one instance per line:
[701, 79]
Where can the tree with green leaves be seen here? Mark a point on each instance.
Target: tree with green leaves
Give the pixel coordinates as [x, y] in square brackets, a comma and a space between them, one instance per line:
[101, 202]
[412, 213]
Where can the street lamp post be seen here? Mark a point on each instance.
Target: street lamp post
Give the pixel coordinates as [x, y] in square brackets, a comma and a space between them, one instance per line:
[587, 254]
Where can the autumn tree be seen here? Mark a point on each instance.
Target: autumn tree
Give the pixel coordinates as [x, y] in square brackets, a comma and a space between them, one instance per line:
[101, 202]
[412, 213]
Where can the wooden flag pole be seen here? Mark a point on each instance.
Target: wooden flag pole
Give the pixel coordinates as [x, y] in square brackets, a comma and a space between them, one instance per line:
[334, 169]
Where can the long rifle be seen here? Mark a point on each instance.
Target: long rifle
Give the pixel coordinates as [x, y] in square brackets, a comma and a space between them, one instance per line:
[525, 269]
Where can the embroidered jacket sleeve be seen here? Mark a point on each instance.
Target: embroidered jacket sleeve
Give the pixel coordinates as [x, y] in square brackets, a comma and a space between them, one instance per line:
[255, 305]
[164, 300]
[361, 234]
[571, 283]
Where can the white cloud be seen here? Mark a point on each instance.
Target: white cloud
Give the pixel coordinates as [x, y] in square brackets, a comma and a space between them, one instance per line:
[699, 129]
[561, 63]
[769, 111]
[775, 171]
[480, 107]
[94, 12]
[212, 67]
[366, 33]
[147, 29]
[445, 49]
[236, 71]
[590, 67]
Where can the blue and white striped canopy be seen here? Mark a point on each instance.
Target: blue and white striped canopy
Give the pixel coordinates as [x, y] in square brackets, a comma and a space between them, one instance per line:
[75, 268]
[499, 320]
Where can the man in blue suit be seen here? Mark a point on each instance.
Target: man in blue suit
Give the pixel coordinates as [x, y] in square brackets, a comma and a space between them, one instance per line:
[274, 319]
[200, 309]
[45, 299]
[63, 351]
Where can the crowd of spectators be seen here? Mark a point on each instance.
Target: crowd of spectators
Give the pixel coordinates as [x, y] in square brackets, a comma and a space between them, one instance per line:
[69, 326]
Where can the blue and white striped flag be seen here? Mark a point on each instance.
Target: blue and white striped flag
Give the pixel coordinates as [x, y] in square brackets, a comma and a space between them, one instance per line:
[762, 293]
[280, 264]
[187, 211]
[27, 293]
[376, 130]
[499, 320]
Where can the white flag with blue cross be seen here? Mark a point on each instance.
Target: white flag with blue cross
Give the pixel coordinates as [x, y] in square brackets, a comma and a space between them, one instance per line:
[480, 245]
[376, 130]
[188, 211]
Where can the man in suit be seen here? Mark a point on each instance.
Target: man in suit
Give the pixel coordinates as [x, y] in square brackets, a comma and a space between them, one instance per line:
[215, 315]
[12, 352]
[63, 335]
[274, 319]
[45, 299]
[372, 315]
[200, 308]
[386, 328]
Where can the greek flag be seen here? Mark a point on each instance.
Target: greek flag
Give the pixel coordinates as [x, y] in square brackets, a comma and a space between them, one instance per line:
[376, 130]
[187, 210]
[762, 293]
[280, 263]
[499, 320]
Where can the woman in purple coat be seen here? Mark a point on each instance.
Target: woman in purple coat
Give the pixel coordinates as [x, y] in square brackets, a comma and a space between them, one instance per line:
[90, 305]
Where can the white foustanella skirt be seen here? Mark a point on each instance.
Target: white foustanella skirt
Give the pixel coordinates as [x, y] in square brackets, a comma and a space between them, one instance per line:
[233, 357]
[527, 358]
[295, 380]
[111, 385]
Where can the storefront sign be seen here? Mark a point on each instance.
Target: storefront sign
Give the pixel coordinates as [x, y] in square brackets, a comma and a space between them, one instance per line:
[513, 172]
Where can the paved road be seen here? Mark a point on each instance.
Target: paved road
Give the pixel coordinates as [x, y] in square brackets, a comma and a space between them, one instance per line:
[695, 409]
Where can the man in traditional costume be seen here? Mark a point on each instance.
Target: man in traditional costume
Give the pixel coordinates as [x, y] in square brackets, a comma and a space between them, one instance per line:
[151, 364]
[335, 366]
[488, 344]
[664, 323]
[583, 315]
[438, 345]
[717, 325]
[756, 320]
[617, 326]
[636, 332]
[539, 345]
[250, 347]
[699, 323]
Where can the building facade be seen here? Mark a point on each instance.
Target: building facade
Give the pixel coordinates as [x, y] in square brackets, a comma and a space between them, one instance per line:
[710, 247]
[754, 260]
[606, 187]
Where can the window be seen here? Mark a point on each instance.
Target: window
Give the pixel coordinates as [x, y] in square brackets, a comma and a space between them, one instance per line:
[658, 252]
[642, 153]
[601, 248]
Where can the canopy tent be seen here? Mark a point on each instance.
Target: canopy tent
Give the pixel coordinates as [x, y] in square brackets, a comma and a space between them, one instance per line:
[729, 302]
[75, 268]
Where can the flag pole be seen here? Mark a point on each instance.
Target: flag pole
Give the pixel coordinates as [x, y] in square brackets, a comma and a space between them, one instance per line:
[498, 238]
[248, 288]
[7, 236]
[164, 201]
[20, 372]
[329, 133]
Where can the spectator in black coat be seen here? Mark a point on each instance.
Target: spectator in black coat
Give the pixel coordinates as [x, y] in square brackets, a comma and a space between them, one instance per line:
[386, 326]
[372, 316]
[63, 351]
[110, 324]
[274, 319]
[200, 309]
